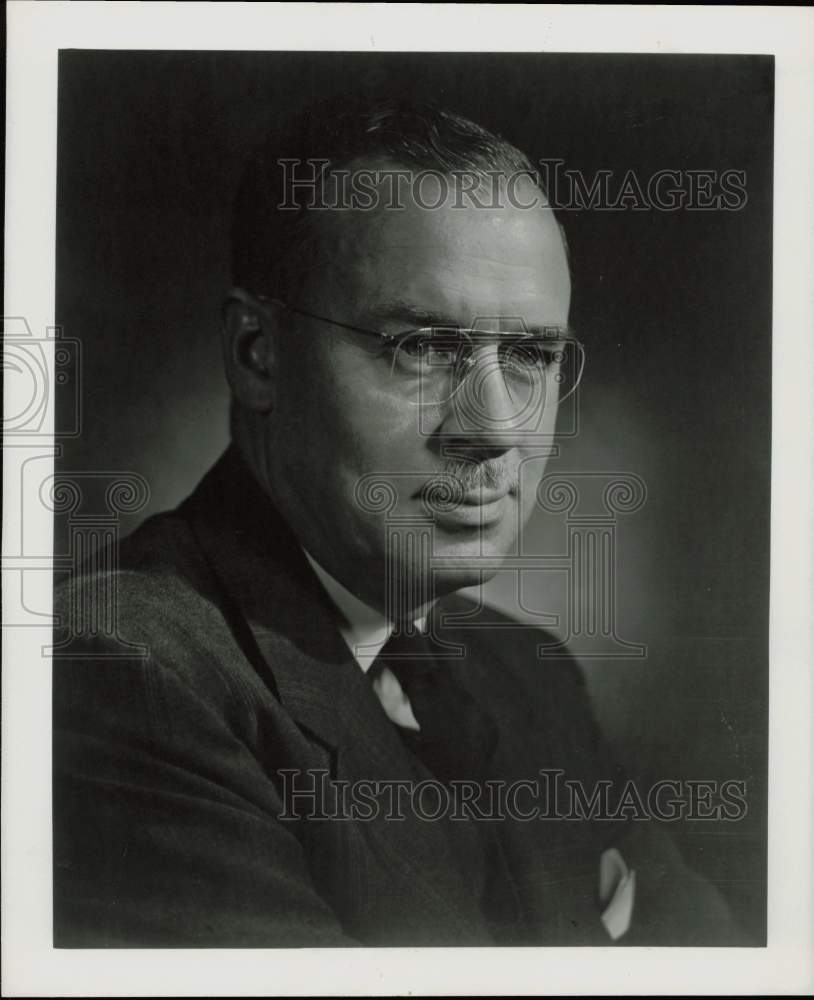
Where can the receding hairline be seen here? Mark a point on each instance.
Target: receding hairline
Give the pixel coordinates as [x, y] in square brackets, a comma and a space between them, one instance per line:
[318, 237]
[418, 138]
[389, 167]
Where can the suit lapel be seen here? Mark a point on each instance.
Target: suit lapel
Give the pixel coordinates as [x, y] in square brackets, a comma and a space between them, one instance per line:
[262, 576]
[553, 878]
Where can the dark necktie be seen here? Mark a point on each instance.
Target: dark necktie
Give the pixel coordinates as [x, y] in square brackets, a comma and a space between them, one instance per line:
[457, 737]
[457, 741]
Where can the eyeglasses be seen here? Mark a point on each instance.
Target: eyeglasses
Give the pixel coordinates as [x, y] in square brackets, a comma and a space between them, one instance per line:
[429, 365]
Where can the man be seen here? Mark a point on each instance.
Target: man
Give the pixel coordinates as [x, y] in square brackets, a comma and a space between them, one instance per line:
[324, 744]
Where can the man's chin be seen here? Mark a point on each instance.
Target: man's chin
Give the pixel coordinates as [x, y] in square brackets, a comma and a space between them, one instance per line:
[448, 580]
[467, 563]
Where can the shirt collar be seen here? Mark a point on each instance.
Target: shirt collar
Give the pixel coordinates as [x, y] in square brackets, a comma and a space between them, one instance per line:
[364, 629]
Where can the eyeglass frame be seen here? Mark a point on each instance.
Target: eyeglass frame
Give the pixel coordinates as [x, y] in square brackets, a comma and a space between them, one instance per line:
[389, 340]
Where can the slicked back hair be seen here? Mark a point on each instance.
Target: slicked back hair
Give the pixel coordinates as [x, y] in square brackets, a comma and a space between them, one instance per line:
[269, 243]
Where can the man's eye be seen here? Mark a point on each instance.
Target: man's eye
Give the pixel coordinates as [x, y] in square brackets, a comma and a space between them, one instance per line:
[411, 347]
[439, 353]
[432, 354]
[530, 355]
[426, 352]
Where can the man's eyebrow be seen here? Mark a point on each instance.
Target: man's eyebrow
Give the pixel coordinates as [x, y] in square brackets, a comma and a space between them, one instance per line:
[411, 314]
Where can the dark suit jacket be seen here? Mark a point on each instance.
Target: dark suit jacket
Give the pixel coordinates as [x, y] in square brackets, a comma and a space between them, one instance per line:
[167, 785]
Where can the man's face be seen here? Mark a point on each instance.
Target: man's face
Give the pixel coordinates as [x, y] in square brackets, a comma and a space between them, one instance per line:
[345, 421]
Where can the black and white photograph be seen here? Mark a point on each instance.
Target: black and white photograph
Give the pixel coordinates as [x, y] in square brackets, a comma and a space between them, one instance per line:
[406, 426]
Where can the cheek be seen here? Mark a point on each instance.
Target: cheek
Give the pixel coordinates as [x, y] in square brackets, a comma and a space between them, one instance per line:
[347, 426]
[361, 418]
[535, 461]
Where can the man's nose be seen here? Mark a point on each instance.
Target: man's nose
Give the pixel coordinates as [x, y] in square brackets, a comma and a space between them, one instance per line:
[486, 411]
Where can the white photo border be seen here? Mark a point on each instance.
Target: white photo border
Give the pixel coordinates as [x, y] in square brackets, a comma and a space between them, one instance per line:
[32, 967]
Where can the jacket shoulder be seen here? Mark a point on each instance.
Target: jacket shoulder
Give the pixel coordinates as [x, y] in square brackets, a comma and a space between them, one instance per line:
[153, 606]
[522, 648]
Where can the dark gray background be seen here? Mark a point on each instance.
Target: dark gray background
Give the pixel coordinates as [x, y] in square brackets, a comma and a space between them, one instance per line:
[675, 310]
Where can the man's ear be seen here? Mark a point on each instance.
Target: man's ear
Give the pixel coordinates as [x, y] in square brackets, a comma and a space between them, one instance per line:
[249, 351]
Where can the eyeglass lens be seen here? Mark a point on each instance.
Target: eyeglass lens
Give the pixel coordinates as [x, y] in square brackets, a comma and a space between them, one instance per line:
[434, 364]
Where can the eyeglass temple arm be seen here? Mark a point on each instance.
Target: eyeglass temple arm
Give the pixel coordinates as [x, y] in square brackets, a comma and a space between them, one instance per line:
[387, 337]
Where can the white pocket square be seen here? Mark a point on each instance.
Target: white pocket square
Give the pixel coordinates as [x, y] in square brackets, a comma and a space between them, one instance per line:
[617, 889]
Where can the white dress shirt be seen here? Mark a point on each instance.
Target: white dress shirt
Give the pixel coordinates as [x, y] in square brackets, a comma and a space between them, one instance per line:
[365, 631]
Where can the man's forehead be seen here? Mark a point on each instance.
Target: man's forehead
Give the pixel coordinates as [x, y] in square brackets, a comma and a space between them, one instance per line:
[504, 242]
[462, 257]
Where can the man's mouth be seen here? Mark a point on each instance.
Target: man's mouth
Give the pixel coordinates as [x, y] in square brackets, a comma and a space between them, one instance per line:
[459, 498]
[480, 496]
